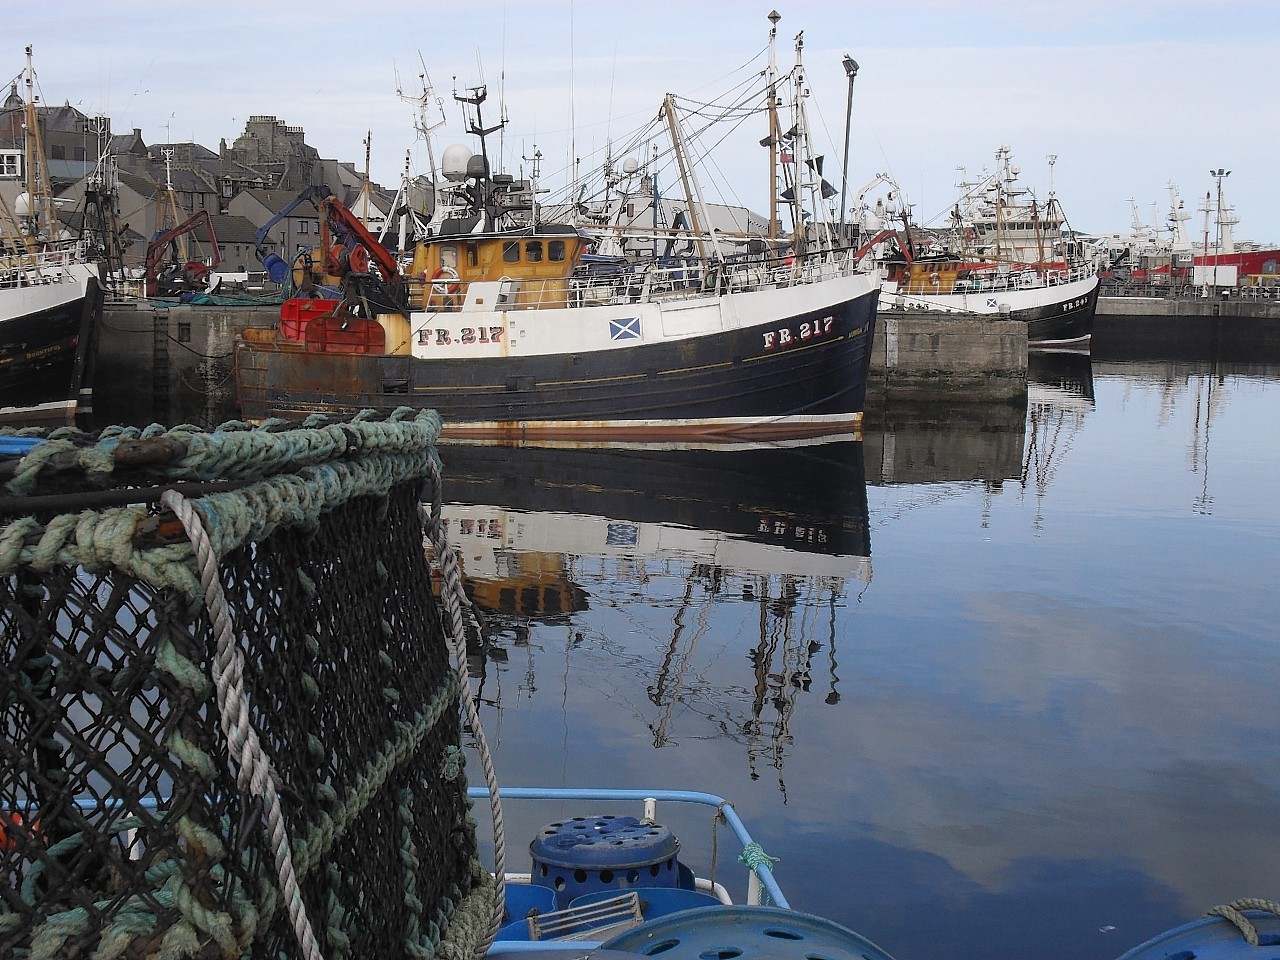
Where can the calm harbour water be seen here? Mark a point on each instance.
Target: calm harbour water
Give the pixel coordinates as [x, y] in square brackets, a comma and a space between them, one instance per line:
[987, 685]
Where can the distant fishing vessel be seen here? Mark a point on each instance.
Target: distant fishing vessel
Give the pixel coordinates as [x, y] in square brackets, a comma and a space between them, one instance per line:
[1003, 257]
[50, 299]
[508, 329]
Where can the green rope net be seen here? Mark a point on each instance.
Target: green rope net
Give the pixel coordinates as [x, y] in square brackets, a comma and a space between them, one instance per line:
[126, 827]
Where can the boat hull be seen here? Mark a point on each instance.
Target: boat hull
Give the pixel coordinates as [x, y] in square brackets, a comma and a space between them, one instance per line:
[788, 374]
[44, 340]
[739, 495]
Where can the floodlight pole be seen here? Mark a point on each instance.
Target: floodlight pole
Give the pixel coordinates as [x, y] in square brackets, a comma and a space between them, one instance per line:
[851, 70]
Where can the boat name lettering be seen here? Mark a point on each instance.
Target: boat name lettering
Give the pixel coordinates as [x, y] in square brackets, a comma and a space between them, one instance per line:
[442, 336]
[1075, 304]
[481, 527]
[808, 330]
[793, 532]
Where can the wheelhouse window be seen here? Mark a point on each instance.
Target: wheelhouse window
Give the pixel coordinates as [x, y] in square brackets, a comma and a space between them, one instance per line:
[473, 254]
[511, 251]
[555, 250]
[533, 251]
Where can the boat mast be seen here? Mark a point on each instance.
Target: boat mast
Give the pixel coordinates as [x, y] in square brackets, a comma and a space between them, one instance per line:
[366, 187]
[692, 190]
[167, 216]
[812, 183]
[41, 219]
[774, 132]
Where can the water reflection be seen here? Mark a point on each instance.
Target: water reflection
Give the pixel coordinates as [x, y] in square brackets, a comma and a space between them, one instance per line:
[1060, 396]
[761, 543]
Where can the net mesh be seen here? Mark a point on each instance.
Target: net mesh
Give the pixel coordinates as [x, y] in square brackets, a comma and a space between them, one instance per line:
[122, 827]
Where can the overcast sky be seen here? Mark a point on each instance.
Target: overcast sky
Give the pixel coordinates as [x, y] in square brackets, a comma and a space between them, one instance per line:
[1128, 95]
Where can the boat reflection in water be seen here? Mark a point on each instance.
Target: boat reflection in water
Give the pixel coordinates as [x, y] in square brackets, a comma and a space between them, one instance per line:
[1059, 398]
[552, 535]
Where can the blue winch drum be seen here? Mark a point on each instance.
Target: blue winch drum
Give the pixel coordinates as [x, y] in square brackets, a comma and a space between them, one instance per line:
[761, 933]
[586, 854]
[1212, 938]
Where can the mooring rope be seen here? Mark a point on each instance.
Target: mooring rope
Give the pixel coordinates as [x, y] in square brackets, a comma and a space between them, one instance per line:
[454, 600]
[1232, 912]
[255, 773]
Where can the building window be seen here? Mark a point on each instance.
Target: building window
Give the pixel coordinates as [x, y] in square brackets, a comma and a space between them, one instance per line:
[302, 226]
[10, 163]
[57, 152]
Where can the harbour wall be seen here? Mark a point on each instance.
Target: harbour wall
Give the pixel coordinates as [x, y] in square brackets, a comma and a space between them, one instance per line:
[931, 356]
[1153, 328]
[170, 364]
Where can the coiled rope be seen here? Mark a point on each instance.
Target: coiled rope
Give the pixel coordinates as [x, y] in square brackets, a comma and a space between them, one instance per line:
[455, 601]
[1232, 912]
[255, 773]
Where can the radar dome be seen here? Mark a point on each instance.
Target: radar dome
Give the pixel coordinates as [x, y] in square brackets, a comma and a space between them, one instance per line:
[22, 205]
[630, 165]
[477, 167]
[453, 162]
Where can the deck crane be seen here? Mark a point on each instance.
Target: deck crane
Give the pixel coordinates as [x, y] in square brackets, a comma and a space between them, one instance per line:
[350, 274]
[180, 274]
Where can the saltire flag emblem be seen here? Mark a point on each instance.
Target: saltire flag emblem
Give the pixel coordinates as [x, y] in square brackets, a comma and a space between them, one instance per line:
[622, 535]
[991, 302]
[628, 329]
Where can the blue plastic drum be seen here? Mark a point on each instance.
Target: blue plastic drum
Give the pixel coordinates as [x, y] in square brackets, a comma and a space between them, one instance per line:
[589, 854]
[751, 933]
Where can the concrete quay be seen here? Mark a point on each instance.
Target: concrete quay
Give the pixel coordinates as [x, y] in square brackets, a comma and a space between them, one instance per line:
[1186, 329]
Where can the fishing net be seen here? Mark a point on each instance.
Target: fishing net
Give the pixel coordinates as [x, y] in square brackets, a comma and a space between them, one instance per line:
[279, 777]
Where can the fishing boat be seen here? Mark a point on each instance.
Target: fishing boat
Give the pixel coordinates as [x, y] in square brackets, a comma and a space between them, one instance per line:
[1003, 258]
[1056, 304]
[50, 298]
[509, 327]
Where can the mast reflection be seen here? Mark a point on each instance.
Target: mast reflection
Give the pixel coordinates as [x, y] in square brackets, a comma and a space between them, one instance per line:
[544, 534]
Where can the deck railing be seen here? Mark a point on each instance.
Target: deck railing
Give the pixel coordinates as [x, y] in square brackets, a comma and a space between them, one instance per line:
[25, 269]
[637, 282]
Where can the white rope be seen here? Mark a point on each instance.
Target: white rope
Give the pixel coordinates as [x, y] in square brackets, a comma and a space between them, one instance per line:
[455, 601]
[254, 771]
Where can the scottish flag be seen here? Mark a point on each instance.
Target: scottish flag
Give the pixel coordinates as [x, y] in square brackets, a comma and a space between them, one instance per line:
[991, 302]
[626, 329]
[622, 535]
